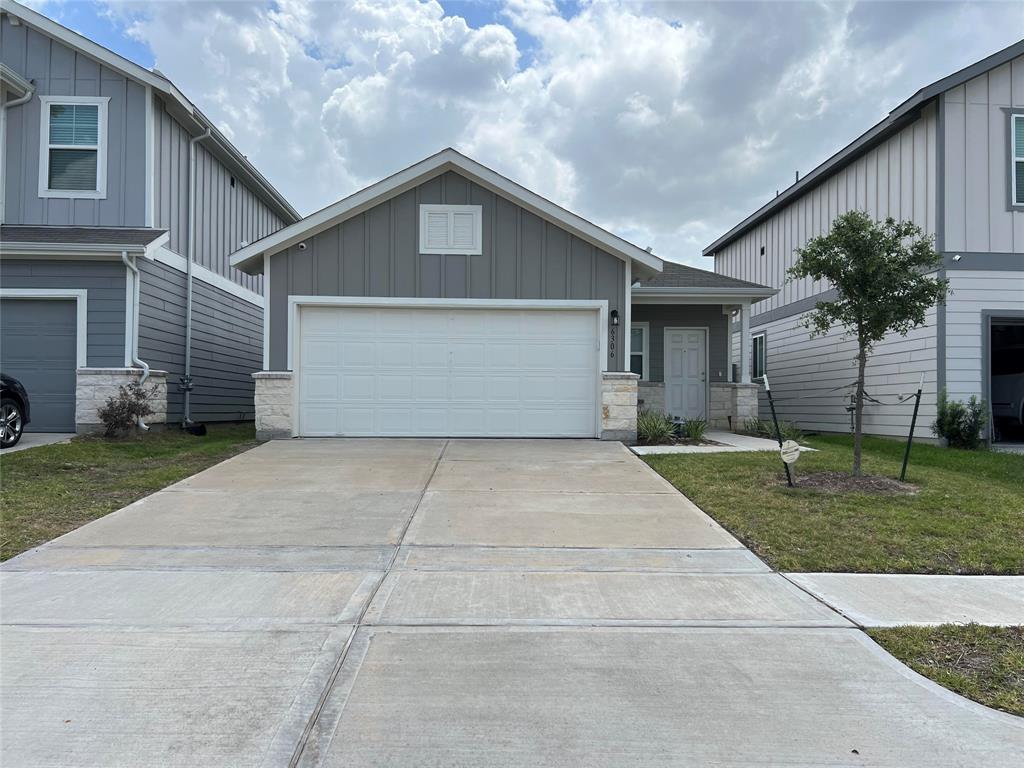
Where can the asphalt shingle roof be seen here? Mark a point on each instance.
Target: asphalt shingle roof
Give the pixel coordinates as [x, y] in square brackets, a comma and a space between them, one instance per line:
[682, 276]
[126, 236]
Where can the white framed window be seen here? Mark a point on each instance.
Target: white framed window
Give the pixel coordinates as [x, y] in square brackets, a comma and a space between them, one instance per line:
[640, 350]
[758, 356]
[451, 229]
[1017, 159]
[73, 146]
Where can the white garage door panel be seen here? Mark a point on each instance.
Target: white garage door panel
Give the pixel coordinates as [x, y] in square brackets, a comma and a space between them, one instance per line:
[459, 372]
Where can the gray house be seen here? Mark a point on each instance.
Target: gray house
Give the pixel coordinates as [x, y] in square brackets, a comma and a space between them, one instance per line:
[446, 300]
[951, 159]
[104, 230]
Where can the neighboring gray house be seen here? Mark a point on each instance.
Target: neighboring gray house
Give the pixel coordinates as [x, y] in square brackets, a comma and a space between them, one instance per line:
[950, 158]
[447, 300]
[95, 245]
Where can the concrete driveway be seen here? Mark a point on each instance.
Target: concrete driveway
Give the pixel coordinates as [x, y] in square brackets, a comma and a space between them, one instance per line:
[431, 602]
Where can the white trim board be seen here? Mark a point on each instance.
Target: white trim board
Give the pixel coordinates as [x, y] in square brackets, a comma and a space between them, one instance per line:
[644, 325]
[171, 259]
[81, 299]
[295, 303]
[101, 103]
[249, 259]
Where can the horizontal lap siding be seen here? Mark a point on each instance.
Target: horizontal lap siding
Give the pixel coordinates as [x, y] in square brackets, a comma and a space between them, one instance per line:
[105, 283]
[226, 216]
[377, 254]
[976, 151]
[973, 293]
[812, 377]
[896, 178]
[662, 316]
[56, 70]
[227, 344]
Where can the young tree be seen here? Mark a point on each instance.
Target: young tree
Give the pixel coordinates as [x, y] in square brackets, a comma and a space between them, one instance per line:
[879, 271]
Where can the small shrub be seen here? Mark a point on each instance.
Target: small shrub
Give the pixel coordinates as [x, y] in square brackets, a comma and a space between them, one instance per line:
[960, 423]
[694, 429]
[124, 409]
[654, 427]
[766, 429]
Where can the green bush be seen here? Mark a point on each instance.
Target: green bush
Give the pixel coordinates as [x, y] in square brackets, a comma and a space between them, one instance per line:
[654, 427]
[765, 428]
[960, 423]
[122, 411]
[694, 429]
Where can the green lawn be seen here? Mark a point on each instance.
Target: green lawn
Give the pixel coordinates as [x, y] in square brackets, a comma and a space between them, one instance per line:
[53, 489]
[982, 663]
[966, 517]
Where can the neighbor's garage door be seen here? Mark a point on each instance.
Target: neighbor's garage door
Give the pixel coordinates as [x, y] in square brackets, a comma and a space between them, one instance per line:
[448, 372]
[37, 347]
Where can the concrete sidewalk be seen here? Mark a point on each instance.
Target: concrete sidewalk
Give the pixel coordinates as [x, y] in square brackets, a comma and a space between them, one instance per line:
[728, 442]
[431, 602]
[889, 600]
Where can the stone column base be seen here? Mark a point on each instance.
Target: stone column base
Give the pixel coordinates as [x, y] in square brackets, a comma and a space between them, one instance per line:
[94, 386]
[618, 406]
[731, 405]
[275, 418]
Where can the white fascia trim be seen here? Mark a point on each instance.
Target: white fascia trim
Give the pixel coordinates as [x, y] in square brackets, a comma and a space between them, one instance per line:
[684, 300]
[700, 291]
[81, 299]
[600, 307]
[169, 258]
[67, 251]
[100, 193]
[13, 81]
[249, 258]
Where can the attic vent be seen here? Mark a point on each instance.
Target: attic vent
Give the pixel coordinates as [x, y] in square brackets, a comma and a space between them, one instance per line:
[451, 229]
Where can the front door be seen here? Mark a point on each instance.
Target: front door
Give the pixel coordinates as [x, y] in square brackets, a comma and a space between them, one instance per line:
[686, 373]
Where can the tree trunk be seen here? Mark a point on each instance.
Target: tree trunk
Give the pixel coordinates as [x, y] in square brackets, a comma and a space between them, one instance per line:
[858, 418]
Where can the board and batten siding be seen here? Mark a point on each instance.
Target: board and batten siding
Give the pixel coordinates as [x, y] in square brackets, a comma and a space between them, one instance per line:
[227, 343]
[376, 253]
[897, 178]
[105, 283]
[59, 71]
[812, 376]
[972, 294]
[227, 214]
[662, 316]
[976, 151]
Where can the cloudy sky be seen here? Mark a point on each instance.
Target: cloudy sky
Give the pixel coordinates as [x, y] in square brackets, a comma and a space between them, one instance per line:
[666, 122]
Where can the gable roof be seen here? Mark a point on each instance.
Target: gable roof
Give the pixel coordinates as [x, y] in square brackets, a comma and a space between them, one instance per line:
[898, 119]
[250, 258]
[179, 106]
[682, 280]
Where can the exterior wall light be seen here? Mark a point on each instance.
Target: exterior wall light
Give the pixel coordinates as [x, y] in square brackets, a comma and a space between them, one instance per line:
[615, 318]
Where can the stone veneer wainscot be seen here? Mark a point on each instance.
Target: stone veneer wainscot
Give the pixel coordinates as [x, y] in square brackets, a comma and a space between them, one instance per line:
[618, 406]
[274, 404]
[94, 386]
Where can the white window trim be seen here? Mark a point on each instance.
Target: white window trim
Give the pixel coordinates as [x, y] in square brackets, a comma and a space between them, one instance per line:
[100, 193]
[81, 299]
[645, 352]
[753, 354]
[1016, 156]
[477, 210]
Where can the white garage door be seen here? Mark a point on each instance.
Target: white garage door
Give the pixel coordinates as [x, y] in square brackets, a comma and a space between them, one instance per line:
[448, 372]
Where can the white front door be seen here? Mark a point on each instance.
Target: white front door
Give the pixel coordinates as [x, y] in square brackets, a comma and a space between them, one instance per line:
[686, 373]
[406, 371]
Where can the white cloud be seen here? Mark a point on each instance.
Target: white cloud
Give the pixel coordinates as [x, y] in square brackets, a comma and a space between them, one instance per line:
[665, 122]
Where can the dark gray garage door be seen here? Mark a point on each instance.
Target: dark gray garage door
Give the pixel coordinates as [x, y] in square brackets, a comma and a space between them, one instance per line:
[37, 347]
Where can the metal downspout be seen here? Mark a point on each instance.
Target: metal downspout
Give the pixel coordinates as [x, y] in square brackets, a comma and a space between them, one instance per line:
[133, 268]
[187, 378]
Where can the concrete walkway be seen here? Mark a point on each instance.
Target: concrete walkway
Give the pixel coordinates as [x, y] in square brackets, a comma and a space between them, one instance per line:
[889, 600]
[728, 442]
[422, 602]
[36, 439]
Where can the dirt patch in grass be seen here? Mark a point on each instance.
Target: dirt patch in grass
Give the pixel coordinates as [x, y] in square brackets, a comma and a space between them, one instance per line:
[841, 482]
[982, 663]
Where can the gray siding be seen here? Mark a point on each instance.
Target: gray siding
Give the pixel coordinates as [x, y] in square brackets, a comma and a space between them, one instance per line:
[226, 215]
[709, 316]
[58, 70]
[812, 378]
[105, 282]
[227, 344]
[896, 178]
[377, 254]
[976, 153]
[973, 293]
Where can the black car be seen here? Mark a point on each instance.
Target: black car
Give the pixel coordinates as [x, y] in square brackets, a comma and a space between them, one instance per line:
[14, 411]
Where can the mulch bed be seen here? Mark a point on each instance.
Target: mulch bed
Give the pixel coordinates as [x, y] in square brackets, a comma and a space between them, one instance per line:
[840, 482]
